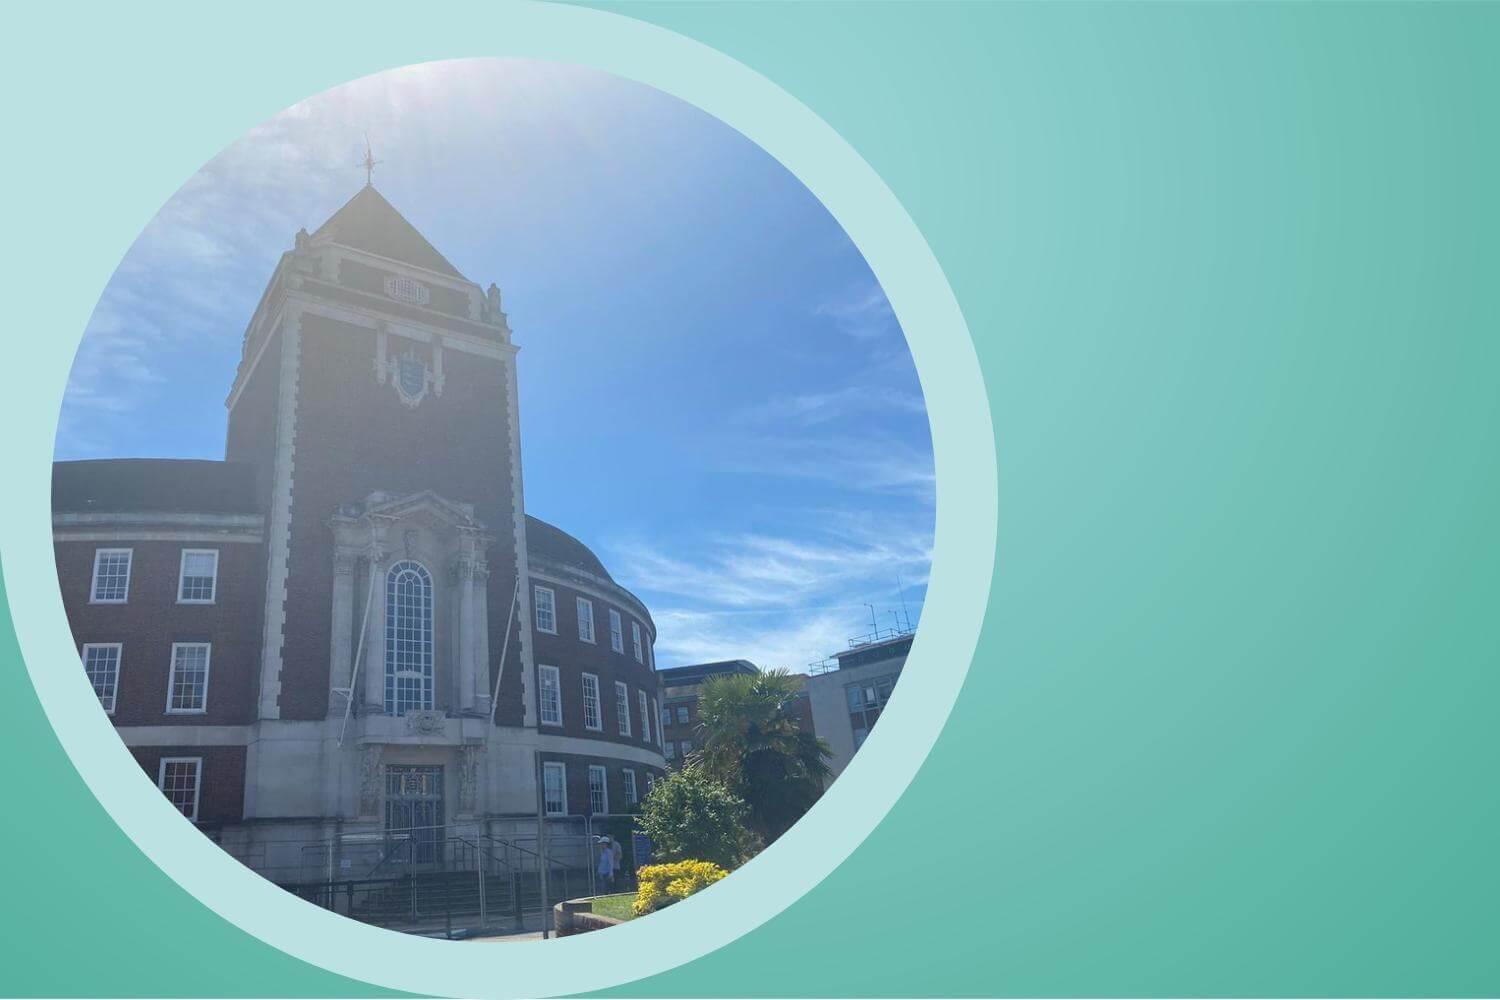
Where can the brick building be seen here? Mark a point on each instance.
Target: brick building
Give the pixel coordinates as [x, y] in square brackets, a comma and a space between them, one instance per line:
[351, 625]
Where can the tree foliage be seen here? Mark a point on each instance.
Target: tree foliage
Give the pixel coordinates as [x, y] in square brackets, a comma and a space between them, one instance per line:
[753, 744]
[692, 816]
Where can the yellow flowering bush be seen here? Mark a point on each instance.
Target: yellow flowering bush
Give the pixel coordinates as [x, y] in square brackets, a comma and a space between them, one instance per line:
[663, 885]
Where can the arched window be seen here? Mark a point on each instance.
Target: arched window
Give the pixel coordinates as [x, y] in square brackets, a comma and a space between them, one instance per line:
[408, 638]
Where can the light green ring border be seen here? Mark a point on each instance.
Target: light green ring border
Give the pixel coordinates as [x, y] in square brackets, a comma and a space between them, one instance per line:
[963, 560]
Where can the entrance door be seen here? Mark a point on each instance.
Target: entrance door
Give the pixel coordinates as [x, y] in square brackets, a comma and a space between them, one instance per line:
[414, 811]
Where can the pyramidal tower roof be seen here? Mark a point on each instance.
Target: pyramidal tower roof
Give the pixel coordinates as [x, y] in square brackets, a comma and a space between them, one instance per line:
[370, 223]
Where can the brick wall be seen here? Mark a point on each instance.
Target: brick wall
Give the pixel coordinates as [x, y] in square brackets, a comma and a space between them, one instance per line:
[578, 780]
[252, 422]
[355, 436]
[221, 787]
[574, 657]
[151, 620]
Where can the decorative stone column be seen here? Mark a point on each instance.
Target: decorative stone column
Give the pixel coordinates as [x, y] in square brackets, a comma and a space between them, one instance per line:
[471, 571]
[373, 668]
[341, 646]
[481, 633]
[370, 775]
[469, 756]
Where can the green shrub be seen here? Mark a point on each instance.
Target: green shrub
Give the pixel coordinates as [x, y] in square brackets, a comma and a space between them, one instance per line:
[692, 816]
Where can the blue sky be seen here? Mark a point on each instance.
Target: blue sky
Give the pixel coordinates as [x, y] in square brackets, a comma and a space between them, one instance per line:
[715, 395]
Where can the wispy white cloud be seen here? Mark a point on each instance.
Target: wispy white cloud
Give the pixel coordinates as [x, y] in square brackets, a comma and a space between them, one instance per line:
[863, 313]
[790, 642]
[812, 409]
[759, 570]
[203, 258]
[794, 595]
[775, 599]
[880, 464]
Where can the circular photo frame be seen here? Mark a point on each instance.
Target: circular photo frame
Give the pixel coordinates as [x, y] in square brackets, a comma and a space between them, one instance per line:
[966, 512]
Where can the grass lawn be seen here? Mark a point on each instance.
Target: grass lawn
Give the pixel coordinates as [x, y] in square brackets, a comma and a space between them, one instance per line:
[617, 906]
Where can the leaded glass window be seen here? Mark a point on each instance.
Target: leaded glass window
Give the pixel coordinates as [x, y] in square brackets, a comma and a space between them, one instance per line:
[408, 638]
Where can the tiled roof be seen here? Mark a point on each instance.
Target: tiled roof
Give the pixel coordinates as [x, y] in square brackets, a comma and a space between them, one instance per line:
[370, 223]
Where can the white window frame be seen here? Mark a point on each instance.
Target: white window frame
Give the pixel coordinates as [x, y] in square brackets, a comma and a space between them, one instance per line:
[616, 631]
[632, 791]
[635, 641]
[182, 576]
[208, 655]
[536, 596]
[542, 671]
[412, 660]
[94, 597]
[645, 719]
[603, 773]
[161, 782]
[561, 770]
[597, 725]
[622, 708]
[584, 602]
[114, 684]
[658, 728]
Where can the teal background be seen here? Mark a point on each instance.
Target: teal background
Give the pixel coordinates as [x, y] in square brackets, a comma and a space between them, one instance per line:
[1230, 271]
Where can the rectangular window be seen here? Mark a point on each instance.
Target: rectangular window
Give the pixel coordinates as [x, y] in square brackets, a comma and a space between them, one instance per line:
[101, 661]
[598, 790]
[199, 575]
[645, 719]
[546, 610]
[187, 684]
[555, 788]
[632, 799]
[666, 716]
[585, 620]
[658, 728]
[616, 632]
[671, 749]
[178, 779]
[111, 576]
[682, 715]
[650, 782]
[866, 701]
[635, 640]
[591, 718]
[622, 708]
[550, 699]
[687, 747]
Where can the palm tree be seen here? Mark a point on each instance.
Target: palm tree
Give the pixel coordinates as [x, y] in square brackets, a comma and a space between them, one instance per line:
[751, 741]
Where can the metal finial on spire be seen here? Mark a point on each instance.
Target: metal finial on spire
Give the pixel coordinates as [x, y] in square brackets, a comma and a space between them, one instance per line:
[369, 163]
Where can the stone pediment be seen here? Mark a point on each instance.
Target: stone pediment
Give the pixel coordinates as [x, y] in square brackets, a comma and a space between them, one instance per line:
[426, 505]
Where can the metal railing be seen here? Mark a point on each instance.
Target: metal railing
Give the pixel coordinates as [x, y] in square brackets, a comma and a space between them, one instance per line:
[457, 886]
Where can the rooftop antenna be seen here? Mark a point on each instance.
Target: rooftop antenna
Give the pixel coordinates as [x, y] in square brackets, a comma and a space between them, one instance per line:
[369, 163]
[901, 593]
[874, 623]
